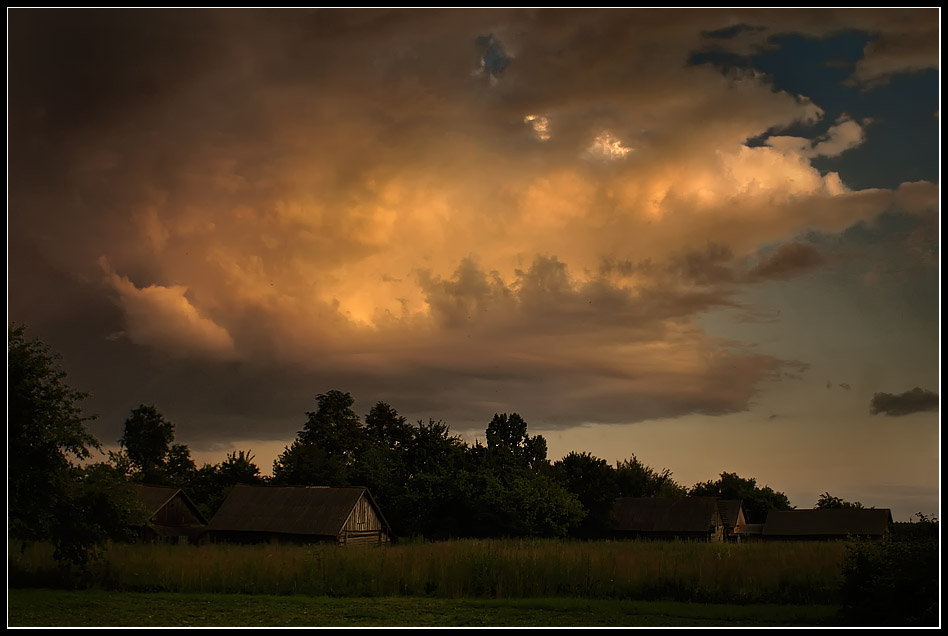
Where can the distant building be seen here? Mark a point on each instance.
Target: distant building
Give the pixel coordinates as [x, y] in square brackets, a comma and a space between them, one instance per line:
[732, 518]
[750, 532]
[688, 518]
[299, 514]
[174, 517]
[820, 524]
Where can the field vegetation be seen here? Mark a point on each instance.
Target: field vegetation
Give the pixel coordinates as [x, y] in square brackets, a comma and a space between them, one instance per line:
[789, 573]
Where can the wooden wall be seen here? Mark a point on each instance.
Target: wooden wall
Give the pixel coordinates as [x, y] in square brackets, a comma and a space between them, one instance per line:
[363, 525]
[176, 513]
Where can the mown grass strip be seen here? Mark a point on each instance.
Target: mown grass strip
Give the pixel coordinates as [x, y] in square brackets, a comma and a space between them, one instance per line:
[95, 608]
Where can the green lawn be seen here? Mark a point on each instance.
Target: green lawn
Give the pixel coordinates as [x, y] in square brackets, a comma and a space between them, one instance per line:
[95, 608]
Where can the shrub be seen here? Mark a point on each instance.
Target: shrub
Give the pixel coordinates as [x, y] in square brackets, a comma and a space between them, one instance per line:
[893, 582]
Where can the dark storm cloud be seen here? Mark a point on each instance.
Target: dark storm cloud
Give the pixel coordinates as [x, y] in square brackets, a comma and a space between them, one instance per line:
[787, 261]
[203, 204]
[916, 400]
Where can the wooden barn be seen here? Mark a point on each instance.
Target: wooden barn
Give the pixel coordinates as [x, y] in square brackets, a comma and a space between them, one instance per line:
[691, 518]
[821, 524]
[732, 518]
[299, 514]
[174, 517]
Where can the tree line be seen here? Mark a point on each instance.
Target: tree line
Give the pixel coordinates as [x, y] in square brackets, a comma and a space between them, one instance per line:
[427, 481]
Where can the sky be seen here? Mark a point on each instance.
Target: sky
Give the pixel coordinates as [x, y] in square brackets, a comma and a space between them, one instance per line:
[708, 238]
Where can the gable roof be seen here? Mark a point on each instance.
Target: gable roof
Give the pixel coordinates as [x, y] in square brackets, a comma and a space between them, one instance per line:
[657, 514]
[156, 497]
[828, 521]
[306, 510]
[730, 510]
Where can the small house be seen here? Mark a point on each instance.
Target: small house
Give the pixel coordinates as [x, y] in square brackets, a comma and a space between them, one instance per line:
[820, 524]
[299, 514]
[687, 518]
[173, 516]
[732, 518]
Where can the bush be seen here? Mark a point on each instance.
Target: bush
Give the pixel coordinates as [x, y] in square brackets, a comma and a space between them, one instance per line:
[893, 582]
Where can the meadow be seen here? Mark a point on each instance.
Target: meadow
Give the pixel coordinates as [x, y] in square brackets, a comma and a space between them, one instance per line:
[755, 573]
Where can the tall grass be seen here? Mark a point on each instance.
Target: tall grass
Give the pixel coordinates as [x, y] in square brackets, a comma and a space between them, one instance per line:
[748, 573]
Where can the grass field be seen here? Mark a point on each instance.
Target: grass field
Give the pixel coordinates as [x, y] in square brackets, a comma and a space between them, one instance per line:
[780, 573]
[95, 608]
[450, 583]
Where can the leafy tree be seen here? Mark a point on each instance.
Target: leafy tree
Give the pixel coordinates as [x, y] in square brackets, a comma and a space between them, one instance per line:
[386, 428]
[97, 510]
[827, 500]
[593, 482]
[147, 440]
[635, 479]
[51, 498]
[757, 501]
[46, 430]
[179, 467]
[326, 451]
[239, 468]
[335, 427]
[509, 444]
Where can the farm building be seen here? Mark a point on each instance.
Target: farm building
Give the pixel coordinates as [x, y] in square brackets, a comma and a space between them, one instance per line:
[750, 532]
[732, 518]
[693, 518]
[174, 517]
[299, 514]
[827, 523]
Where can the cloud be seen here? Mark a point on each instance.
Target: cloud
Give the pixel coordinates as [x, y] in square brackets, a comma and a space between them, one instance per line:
[916, 400]
[788, 260]
[844, 135]
[164, 318]
[331, 193]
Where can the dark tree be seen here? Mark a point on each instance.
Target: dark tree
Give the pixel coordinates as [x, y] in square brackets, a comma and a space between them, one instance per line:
[635, 479]
[509, 444]
[46, 430]
[593, 482]
[326, 451]
[757, 501]
[385, 427]
[51, 498]
[239, 468]
[147, 441]
[827, 500]
[179, 467]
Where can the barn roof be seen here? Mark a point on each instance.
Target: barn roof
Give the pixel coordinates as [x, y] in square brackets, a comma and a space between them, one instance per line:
[308, 510]
[155, 498]
[656, 514]
[828, 521]
[730, 510]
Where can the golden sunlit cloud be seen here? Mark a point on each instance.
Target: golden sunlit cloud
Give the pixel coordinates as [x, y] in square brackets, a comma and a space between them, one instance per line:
[540, 124]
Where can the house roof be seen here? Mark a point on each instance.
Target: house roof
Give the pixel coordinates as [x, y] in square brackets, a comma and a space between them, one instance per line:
[657, 514]
[156, 497]
[730, 510]
[306, 510]
[828, 521]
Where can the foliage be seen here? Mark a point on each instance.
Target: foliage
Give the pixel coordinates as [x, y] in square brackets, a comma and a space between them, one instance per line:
[757, 501]
[146, 441]
[593, 482]
[326, 450]
[827, 500]
[509, 445]
[95, 512]
[893, 582]
[635, 479]
[46, 429]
